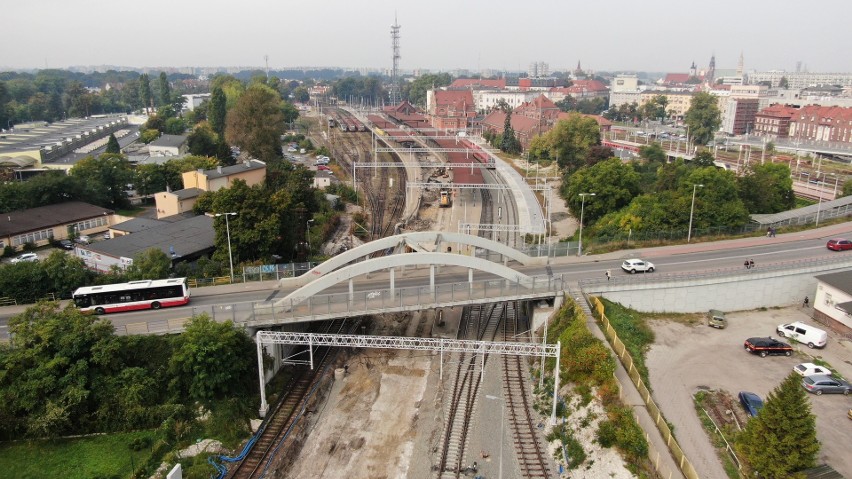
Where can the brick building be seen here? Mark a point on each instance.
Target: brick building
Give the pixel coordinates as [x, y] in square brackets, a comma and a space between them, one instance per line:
[774, 121]
[822, 123]
[453, 109]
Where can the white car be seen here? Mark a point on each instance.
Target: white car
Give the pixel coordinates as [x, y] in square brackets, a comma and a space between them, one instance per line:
[636, 265]
[25, 258]
[811, 369]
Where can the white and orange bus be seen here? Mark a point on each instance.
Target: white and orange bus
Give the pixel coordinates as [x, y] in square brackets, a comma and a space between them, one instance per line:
[147, 294]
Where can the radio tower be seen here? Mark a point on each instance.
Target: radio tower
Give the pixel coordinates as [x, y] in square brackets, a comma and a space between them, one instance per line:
[394, 87]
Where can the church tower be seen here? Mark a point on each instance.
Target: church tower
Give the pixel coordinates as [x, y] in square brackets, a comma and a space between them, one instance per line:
[693, 70]
[710, 77]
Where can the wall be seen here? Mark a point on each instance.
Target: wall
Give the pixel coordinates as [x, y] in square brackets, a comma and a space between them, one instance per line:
[727, 290]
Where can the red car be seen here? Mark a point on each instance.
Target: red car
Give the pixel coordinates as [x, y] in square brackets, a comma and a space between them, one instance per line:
[839, 244]
[323, 167]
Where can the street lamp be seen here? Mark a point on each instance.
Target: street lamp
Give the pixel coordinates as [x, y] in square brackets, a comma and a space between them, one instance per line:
[502, 418]
[691, 210]
[228, 233]
[582, 206]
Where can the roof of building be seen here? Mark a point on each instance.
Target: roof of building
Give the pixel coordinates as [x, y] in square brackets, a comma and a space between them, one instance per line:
[169, 141]
[187, 193]
[841, 280]
[136, 225]
[824, 113]
[521, 124]
[478, 82]
[778, 111]
[44, 217]
[38, 135]
[187, 237]
[676, 78]
[457, 99]
[247, 165]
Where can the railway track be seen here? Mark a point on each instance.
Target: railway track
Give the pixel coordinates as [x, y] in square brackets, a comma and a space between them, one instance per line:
[284, 414]
[531, 453]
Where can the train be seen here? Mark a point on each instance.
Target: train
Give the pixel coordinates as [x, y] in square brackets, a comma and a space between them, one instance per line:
[446, 200]
[480, 155]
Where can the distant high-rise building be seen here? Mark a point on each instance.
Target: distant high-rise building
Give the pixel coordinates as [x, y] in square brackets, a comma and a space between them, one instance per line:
[740, 65]
[538, 69]
[798, 66]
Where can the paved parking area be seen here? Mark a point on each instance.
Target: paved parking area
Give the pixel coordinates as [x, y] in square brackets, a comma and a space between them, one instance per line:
[686, 357]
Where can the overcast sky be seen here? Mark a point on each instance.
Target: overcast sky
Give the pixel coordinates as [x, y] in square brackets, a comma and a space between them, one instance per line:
[655, 35]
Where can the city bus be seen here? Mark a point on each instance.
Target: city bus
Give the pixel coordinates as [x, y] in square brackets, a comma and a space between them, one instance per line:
[146, 294]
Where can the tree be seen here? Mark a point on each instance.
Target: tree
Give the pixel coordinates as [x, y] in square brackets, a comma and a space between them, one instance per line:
[301, 95]
[63, 274]
[703, 118]
[165, 90]
[256, 123]
[781, 440]
[216, 111]
[145, 92]
[105, 179]
[783, 83]
[767, 188]
[655, 108]
[415, 91]
[652, 153]
[203, 140]
[613, 182]
[847, 188]
[212, 361]
[152, 263]
[509, 143]
[112, 145]
[59, 358]
[569, 142]
[703, 158]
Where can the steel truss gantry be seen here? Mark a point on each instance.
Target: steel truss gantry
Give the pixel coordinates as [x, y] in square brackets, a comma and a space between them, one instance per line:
[474, 186]
[489, 227]
[441, 346]
[431, 150]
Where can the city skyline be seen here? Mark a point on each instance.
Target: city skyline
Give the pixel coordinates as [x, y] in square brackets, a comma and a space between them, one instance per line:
[664, 36]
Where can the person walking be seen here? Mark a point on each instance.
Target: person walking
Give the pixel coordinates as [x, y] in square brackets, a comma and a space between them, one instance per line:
[805, 302]
[745, 263]
[751, 263]
[607, 275]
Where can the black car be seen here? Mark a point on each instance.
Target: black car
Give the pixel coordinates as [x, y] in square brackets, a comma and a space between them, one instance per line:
[767, 346]
[66, 244]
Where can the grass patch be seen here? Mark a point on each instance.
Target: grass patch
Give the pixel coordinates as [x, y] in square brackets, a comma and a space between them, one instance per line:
[633, 330]
[132, 211]
[106, 456]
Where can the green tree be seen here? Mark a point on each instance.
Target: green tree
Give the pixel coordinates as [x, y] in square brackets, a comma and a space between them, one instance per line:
[256, 123]
[213, 361]
[63, 273]
[655, 108]
[112, 145]
[301, 95]
[653, 153]
[216, 111]
[145, 95]
[767, 188]
[703, 118]
[165, 90]
[203, 140]
[703, 158]
[415, 92]
[569, 142]
[847, 188]
[781, 440]
[58, 360]
[152, 263]
[783, 83]
[105, 179]
[613, 182]
[509, 142]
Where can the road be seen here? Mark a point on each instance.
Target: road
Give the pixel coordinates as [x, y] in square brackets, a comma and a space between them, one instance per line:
[669, 259]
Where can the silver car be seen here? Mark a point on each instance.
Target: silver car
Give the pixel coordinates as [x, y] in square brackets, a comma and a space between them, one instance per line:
[819, 384]
[635, 265]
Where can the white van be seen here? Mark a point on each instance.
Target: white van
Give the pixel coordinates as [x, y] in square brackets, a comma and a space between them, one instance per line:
[803, 333]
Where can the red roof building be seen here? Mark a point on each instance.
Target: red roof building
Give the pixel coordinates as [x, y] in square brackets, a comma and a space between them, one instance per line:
[774, 121]
[822, 123]
[451, 109]
[499, 83]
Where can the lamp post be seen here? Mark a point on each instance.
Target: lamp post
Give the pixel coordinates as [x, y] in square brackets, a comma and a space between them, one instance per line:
[502, 416]
[834, 195]
[691, 210]
[582, 207]
[228, 233]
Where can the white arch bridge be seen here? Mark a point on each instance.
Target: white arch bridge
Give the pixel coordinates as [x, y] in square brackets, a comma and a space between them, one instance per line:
[442, 286]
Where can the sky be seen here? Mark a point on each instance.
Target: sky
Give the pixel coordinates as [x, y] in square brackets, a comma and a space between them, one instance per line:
[608, 35]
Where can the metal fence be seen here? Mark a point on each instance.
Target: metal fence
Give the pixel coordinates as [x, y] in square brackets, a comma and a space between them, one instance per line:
[264, 272]
[657, 416]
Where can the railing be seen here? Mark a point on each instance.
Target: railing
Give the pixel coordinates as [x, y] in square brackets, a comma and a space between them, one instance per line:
[6, 301]
[656, 415]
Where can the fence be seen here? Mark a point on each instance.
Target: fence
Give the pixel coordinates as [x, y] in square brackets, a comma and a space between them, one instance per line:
[657, 416]
[5, 301]
[263, 272]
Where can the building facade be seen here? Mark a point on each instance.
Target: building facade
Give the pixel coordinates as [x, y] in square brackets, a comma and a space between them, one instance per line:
[822, 123]
[450, 109]
[774, 121]
[39, 226]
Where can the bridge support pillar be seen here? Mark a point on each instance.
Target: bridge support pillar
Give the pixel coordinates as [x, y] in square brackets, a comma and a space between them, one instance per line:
[351, 291]
[392, 289]
[431, 278]
[264, 406]
[470, 278]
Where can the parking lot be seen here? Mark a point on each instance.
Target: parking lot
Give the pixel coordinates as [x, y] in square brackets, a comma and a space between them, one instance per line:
[686, 358]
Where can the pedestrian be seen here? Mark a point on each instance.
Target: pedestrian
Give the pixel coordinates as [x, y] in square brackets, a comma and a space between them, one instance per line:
[772, 230]
[745, 263]
[607, 275]
[751, 263]
[805, 302]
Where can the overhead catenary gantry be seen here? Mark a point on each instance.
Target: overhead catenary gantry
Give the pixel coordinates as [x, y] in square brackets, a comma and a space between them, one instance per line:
[535, 350]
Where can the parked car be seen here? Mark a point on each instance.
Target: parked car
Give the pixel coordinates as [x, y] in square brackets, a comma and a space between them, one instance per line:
[839, 244]
[767, 347]
[637, 265]
[107, 235]
[66, 244]
[83, 239]
[804, 333]
[25, 258]
[811, 369]
[323, 167]
[716, 319]
[751, 402]
[826, 384]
